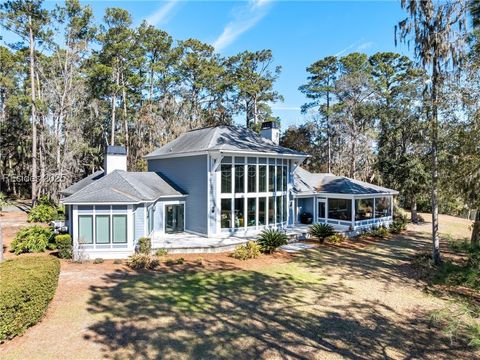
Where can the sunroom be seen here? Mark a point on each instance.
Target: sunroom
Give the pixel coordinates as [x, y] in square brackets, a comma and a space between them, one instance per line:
[347, 204]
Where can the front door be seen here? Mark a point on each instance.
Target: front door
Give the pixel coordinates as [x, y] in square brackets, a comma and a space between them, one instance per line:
[174, 218]
[321, 209]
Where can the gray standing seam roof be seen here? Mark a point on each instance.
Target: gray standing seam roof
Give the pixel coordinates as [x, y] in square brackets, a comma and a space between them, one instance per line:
[123, 186]
[309, 183]
[218, 138]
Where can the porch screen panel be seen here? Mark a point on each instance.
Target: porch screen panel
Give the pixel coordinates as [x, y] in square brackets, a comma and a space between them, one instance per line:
[102, 229]
[262, 205]
[363, 209]
[226, 213]
[340, 209]
[383, 207]
[119, 229]
[85, 229]
[251, 211]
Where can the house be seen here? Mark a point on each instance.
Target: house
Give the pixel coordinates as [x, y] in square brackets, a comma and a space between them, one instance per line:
[210, 186]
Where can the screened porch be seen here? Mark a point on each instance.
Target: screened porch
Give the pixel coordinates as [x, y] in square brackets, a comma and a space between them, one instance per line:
[345, 212]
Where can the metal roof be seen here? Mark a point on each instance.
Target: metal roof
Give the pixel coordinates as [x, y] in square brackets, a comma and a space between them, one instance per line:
[221, 138]
[314, 183]
[123, 186]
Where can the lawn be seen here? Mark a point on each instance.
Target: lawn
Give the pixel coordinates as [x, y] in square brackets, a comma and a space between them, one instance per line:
[354, 302]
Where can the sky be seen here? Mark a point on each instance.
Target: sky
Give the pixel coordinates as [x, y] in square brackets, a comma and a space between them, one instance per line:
[297, 32]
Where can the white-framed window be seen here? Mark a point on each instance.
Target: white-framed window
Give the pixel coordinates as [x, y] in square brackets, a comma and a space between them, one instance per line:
[253, 192]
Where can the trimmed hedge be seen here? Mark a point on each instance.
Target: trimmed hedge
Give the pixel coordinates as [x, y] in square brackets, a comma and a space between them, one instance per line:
[64, 246]
[27, 285]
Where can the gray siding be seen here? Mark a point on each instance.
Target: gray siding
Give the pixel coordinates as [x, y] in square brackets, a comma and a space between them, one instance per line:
[305, 205]
[139, 215]
[190, 174]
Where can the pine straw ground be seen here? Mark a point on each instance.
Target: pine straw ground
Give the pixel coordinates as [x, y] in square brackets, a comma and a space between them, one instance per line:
[354, 301]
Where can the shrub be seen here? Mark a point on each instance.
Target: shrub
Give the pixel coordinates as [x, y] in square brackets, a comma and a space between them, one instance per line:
[64, 246]
[271, 239]
[169, 262]
[117, 261]
[180, 261]
[98, 261]
[321, 231]
[161, 252]
[250, 250]
[42, 213]
[397, 226]
[199, 261]
[142, 261]
[335, 238]
[145, 245]
[31, 239]
[381, 232]
[27, 285]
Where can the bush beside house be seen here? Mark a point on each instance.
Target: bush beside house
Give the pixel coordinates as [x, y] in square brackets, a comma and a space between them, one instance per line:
[32, 239]
[27, 285]
[271, 239]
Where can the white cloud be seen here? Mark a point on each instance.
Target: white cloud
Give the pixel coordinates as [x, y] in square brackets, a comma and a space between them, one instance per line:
[364, 46]
[246, 17]
[160, 15]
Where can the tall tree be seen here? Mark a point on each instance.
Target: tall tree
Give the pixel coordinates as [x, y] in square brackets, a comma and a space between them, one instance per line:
[438, 30]
[319, 88]
[401, 152]
[28, 20]
[254, 79]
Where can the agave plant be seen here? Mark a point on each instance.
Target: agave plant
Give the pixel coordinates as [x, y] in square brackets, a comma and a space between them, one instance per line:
[321, 231]
[271, 239]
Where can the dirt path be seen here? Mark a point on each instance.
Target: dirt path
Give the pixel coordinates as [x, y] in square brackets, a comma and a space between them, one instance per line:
[366, 306]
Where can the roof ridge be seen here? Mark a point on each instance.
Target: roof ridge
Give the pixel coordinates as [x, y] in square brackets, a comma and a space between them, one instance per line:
[121, 172]
[88, 185]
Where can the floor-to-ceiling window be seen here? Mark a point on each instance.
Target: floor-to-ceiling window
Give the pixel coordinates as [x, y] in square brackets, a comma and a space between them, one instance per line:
[253, 192]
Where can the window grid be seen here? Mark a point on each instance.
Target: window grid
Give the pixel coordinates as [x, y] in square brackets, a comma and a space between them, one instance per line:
[268, 177]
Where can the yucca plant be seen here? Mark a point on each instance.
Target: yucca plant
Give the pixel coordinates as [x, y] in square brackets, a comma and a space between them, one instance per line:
[321, 231]
[271, 239]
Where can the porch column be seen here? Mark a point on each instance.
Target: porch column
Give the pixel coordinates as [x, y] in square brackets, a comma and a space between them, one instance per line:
[353, 213]
[374, 207]
[391, 207]
[314, 199]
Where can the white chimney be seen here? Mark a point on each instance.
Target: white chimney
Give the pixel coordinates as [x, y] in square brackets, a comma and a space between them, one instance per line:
[115, 159]
[271, 131]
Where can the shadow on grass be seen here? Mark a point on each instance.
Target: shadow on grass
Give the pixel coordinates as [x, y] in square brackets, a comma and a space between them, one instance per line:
[247, 315]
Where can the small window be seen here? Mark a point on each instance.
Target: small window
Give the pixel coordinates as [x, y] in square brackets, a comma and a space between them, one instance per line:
[262, 204]
[271, 178]
[239, 178]
[226, 171]
[119, 229]
[271, 210]
[262, 178]
[251, 160]
[102, 229]
[227, 160]
[85, 229]
[226, 213]
[252, 178]
[251, 211]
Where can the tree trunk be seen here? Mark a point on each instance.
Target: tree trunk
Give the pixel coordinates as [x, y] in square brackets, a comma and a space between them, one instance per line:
[475, 240]
[255, 116]
[33, 114]
[125, 119]
[413, 210]
[329, 145]
[114, 105]
[434, 121]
